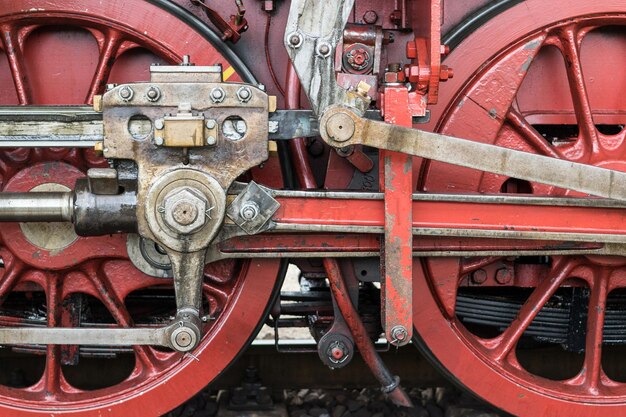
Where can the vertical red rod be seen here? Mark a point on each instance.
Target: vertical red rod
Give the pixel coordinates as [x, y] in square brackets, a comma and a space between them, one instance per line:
[396, 254]
[390, 384]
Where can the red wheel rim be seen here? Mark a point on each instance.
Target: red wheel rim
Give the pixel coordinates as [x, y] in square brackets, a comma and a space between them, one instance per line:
[498, 79]
[111, 41]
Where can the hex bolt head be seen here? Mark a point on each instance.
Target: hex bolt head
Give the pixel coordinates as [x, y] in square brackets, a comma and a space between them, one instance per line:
[211, 140]
[210, 124]
[126, 93]
[217, 95]
[249, 210]
[158, 140]
[370, 17]
[244, 94]
[184, 210]
[153, 94]
[159, 124]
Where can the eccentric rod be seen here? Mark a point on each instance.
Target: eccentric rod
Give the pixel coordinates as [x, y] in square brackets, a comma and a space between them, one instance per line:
[36, 207]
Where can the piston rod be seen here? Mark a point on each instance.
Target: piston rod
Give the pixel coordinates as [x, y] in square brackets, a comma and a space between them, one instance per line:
[36, 207]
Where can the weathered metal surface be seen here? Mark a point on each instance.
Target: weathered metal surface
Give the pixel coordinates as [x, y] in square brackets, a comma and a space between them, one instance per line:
[528, 81]
[311, 36]
[94, 337]
[36, 207]
[66, 126]
[396, 253]
[512, 163]
[63, 53]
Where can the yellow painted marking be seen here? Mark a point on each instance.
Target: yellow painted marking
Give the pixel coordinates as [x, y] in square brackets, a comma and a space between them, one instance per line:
[228, 72]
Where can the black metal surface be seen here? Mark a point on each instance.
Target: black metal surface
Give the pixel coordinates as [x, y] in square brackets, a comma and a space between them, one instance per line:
[562, 321]
[96, 215]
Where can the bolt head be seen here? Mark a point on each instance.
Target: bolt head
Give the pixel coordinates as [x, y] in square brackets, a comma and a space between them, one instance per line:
[244, 94]
[153, 94]
[158, 140]
[126, 93]
[211, 140]
[217, 95]
[249, 210]
[337, 352]
[295, 40]
[184, 210]
[210, 124]
[370, 17]
[159, 124]
[183, 339]
[323, 49]
[399, 334]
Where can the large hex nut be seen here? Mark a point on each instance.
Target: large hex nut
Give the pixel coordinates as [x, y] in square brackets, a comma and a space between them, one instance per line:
[184, 210]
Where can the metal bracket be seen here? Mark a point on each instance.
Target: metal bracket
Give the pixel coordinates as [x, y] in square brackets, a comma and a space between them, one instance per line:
[252, 209]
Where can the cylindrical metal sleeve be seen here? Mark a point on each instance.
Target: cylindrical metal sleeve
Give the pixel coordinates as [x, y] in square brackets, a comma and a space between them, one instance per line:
[97, 215]
[36, 207]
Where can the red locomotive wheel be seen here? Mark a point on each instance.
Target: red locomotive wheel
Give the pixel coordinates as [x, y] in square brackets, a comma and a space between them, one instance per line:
[539, 77]
[64, 52]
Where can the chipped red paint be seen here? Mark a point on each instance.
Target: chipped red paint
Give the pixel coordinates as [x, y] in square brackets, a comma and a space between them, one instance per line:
[538, 63]
[61, 52]
[396, 259]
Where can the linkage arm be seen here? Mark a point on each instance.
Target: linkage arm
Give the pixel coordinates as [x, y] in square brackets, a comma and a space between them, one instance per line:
[340, 127]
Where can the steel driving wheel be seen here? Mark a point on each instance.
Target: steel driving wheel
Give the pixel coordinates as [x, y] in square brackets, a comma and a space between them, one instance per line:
[58, 52]
[538, 77]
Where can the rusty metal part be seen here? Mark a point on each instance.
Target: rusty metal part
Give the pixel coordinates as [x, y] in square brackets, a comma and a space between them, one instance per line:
[342, 127]
[231, 29]
[95, 337]
[66, 126]
[184, 129]
[390, 383]
[253, 209]
[103, 214]
[79, 127]
[396, 253]
[181, 196]
[309, 24]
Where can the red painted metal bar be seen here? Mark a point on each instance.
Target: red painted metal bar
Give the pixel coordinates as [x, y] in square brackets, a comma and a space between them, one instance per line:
[298, 146]
[361, 337]
[290, 243]
[337, 282]
[397, 258]
[455, 215]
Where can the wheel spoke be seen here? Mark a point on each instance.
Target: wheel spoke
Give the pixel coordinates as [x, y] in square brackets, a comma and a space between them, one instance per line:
[54, 301]
[502, 346]
[118, 310]
[108, 52]
[10, 278]
[592, 368]
[13, 50]
[530, 134]
[568, 37]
